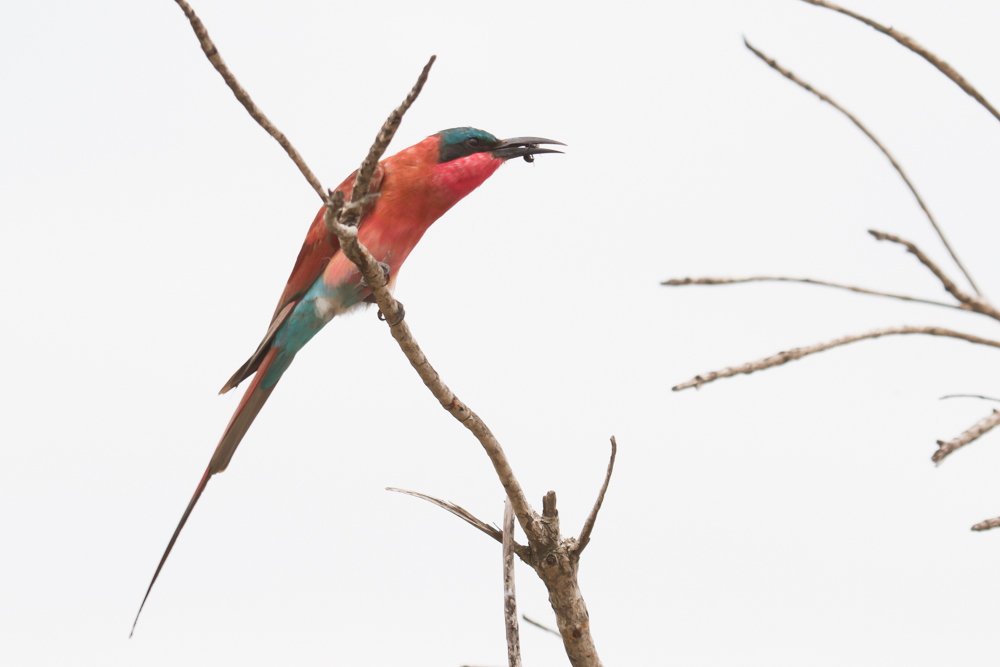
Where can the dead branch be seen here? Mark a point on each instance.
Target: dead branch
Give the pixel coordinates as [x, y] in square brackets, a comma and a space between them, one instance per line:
[674, 282]
[539, 625]
[987, 525]
[984, 398]
[556, 561]
[972, 433]
[509, 595]
[553, 558]
[588, 526]
[376, 281]
[799, 352]
[912, 45]
[363, 180]
[463, 514]
[826, 98]
[977, 304]
[216, 59]
[558, 566]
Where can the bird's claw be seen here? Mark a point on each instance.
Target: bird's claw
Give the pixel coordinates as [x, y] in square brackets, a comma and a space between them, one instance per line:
[386, 272]
[401, 313]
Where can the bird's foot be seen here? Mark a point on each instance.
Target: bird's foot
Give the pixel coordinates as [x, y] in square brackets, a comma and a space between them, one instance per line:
[399, 315]
[386, 272]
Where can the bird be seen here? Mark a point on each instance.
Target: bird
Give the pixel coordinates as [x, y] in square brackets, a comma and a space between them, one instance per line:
[415, 187]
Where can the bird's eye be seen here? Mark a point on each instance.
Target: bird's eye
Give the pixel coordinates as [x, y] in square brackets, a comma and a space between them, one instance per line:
[472, 142]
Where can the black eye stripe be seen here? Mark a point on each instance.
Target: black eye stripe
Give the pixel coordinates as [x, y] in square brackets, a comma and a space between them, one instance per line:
[468, 146]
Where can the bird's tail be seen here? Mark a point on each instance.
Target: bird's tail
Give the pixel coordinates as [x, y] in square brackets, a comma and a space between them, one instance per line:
[253, 400]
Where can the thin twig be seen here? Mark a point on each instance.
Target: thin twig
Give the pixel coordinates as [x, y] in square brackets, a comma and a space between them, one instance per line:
[987, 525]
[731, 281]
[509, 594]
[985, 398]
[349, 215]
[972, 433]
[468, 517]
[826, 98]
[912, 45]
[539, 625]
[216, 59]
[799, 352]
[446, 397]
[384, 138]
[588, 526]
[977, 304]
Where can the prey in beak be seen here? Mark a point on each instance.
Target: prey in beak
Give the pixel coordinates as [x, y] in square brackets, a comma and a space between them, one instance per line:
[526, 147]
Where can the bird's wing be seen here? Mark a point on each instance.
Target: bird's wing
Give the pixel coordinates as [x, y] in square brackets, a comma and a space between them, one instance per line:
[319, 247]
[253, 363]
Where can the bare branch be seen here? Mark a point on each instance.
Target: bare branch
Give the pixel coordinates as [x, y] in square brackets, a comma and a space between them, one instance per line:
[799, 352]
[912, 45]
[385, 135]
[975, 431]
[985, 398]
[550, 555]
[449, 401]
[463, 514]
[338, 220]
[588, 526]
[826, 98]
[539, 625]
[987, 525]
[977, 304]
[216, 59]
[509, 596]
[731, 281]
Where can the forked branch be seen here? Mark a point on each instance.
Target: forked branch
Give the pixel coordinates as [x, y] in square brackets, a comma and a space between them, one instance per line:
[826, 98]
[799, 352]
[976, 304]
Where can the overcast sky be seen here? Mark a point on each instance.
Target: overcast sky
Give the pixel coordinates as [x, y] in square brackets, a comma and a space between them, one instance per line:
[791, 517]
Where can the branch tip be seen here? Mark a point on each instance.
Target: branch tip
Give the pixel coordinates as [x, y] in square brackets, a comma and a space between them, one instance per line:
[984, 398]
[912, 45]
[680, 282]
[987, 525]
[588, 526]
[539, 625]
[771, 62]
[974, 432]
[549, 510]
[799, 352]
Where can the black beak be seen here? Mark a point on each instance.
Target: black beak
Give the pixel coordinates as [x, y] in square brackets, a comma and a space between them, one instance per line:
[526, 147]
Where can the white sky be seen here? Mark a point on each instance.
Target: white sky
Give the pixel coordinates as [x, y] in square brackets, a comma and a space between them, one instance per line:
[786, 518]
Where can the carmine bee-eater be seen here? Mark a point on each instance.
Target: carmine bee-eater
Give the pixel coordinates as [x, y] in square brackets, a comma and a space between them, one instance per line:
[416, 187]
